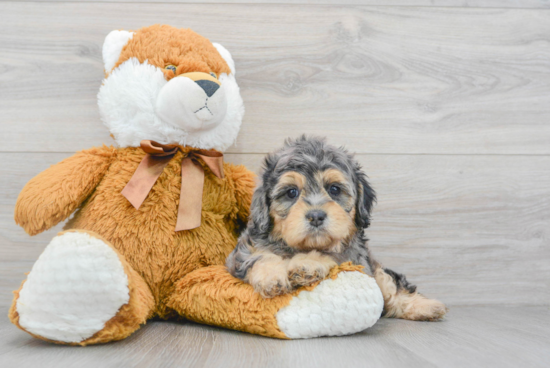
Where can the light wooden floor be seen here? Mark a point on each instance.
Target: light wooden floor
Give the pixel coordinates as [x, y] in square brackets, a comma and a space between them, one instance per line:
[471, 337]
[446, 102]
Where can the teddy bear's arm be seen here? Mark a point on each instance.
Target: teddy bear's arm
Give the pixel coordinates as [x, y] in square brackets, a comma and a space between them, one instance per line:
[52, 195]
[244, 182]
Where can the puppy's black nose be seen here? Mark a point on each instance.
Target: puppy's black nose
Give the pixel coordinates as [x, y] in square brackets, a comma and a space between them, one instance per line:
[316, 217]
[208, 86]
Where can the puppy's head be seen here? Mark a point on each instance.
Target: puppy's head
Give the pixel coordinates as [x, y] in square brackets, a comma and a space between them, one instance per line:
[313, 196]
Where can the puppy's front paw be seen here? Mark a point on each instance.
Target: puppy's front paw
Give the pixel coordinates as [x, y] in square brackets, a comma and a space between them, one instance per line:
[269, 276]
[273, 286]
[303, 275]
[305, 269]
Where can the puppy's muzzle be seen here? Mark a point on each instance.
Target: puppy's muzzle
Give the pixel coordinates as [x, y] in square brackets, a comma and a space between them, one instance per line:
[316, 217]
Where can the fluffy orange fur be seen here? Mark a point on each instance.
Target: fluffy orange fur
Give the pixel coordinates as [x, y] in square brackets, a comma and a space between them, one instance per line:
[163, 45]
[51, 196]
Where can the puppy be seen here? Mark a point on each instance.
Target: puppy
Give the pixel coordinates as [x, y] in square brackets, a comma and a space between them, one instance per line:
[308, 215]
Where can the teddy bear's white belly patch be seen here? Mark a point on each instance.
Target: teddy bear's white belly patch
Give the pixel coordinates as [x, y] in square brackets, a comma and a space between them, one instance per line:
[75, 287]
[349, 304]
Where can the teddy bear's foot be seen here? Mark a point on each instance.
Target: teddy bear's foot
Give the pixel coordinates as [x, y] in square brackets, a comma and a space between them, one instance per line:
[349, 303]
[346, 302]
[81, 291]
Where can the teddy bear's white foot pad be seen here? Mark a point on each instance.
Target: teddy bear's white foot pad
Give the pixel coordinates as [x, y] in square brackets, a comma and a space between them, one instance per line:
[348, 304]
[77, 284]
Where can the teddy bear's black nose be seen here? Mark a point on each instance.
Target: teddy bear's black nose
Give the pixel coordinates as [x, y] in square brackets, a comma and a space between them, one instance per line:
[208, 86]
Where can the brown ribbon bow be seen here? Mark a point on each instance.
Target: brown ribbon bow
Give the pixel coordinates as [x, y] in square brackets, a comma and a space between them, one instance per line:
[192, 179]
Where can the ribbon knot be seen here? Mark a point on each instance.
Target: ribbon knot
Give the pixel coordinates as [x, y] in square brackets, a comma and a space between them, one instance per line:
[192, 179]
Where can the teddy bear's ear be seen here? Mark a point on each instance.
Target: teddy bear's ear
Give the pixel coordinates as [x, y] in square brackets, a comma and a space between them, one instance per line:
[226, 56]
[112, 47]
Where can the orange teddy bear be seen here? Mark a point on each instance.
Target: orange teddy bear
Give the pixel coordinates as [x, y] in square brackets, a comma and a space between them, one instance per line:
[156, 217]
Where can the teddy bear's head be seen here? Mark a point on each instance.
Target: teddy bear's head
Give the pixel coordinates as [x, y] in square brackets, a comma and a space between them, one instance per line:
[169, 85]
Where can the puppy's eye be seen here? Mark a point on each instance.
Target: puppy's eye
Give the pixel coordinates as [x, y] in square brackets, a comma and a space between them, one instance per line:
[292, 193]
[334, 190]
[214, 75]
[171, 67]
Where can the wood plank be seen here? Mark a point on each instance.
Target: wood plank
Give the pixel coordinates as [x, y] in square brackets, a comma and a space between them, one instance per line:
[466, 229]
[380, 79]
[469, 337]
[519, 4]
[498, 331]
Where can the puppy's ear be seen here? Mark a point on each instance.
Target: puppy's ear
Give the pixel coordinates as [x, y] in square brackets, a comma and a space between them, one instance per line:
[260, 221]
[365, 200]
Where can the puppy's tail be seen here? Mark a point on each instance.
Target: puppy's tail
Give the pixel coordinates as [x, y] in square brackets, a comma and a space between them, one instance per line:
[401, 300]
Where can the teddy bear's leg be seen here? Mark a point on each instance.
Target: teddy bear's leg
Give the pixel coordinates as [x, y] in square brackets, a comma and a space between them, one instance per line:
[81, 291]
[346, 302]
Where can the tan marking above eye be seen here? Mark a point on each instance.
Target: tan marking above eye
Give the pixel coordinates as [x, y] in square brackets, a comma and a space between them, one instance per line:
[291, 178]
[333, 176]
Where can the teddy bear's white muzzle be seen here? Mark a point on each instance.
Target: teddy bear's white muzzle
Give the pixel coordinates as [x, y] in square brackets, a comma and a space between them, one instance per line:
[192, 106]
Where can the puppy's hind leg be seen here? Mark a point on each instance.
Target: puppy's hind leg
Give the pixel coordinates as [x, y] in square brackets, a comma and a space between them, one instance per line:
[401, 300]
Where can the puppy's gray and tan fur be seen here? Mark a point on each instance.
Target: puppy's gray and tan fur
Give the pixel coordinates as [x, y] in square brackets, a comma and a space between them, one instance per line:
[308, 215]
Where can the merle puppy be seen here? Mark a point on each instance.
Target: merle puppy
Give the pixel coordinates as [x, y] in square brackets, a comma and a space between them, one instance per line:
[309, 214]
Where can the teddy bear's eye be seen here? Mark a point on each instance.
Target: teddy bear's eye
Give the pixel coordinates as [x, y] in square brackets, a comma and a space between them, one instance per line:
[214, 75]
[171, 67]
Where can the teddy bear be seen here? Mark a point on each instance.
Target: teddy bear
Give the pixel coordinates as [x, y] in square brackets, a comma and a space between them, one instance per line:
[154, 218]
